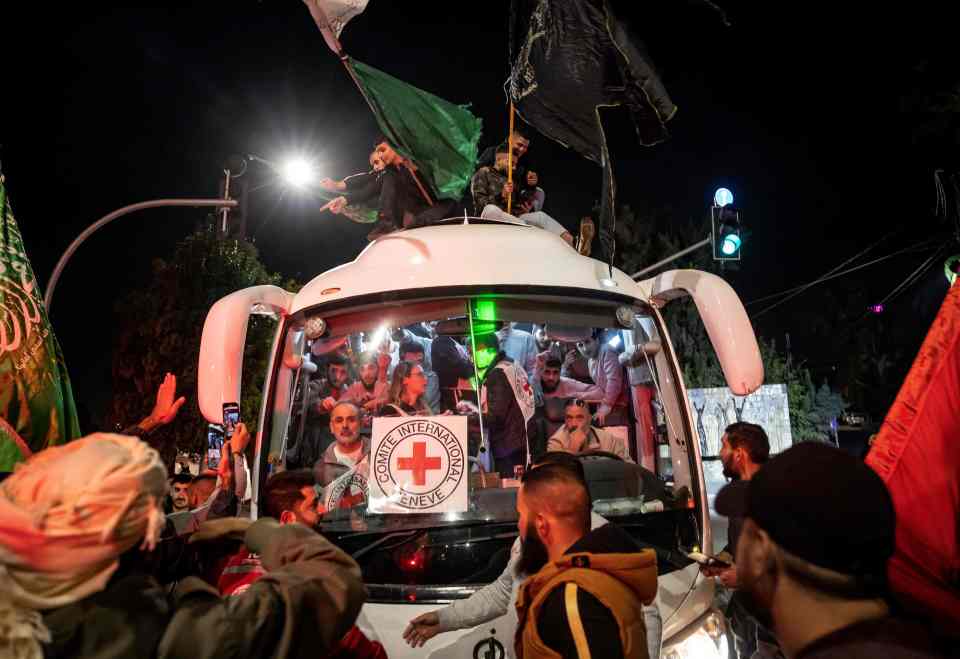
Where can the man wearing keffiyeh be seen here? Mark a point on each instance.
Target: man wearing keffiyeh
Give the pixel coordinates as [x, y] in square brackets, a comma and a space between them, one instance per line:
[71, 515]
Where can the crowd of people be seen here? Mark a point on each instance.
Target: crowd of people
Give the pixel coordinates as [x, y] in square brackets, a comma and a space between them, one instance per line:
[91, 566]
[503, 188]
[811, 531]
[527, 400]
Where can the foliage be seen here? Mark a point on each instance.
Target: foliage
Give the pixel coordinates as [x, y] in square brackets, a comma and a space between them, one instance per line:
[652, 236]
[160, 327]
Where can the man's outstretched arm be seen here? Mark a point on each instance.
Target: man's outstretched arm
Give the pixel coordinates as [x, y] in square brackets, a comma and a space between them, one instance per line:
[309, 598]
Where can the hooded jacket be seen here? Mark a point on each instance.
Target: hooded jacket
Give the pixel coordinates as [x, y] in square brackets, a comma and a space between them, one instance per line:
[500, 598]
[302, 607]
[600, 584]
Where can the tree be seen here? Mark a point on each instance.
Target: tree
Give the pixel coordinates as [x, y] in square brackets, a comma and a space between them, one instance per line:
[161, 326]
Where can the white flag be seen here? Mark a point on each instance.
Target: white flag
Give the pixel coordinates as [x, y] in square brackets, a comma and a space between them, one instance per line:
[337, 12]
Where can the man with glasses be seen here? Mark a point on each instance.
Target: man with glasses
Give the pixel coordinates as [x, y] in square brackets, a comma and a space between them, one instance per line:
[578, 435]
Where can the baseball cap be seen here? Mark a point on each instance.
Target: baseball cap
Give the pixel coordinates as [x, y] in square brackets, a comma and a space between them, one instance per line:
[821, 504]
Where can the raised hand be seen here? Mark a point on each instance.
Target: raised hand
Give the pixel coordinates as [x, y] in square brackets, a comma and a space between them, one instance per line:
[166, 407]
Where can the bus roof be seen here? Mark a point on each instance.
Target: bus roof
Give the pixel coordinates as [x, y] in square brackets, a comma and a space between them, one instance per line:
[458, 255]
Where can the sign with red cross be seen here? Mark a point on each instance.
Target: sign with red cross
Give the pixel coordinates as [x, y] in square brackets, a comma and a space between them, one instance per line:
[418, 465]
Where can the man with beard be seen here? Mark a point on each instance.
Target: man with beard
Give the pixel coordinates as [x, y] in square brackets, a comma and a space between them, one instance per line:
[578, 435]
[334, 387]
[370, 391]
[585, 579]
[744, 448]
[555, 385]
[348, 448]
[499, 598]
[812, 557]
[322, 396]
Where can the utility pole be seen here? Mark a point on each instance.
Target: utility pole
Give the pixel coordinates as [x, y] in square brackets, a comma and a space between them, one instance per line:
[232, 220]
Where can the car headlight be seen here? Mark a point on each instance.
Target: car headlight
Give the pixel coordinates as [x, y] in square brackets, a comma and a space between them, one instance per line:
[705, 639]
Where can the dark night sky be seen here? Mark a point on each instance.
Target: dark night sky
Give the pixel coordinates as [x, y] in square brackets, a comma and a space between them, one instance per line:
[794, 107]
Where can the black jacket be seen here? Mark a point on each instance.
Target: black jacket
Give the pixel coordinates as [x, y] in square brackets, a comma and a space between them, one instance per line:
[394, 189]
[307, 601]
[448, 362]
[503, 418]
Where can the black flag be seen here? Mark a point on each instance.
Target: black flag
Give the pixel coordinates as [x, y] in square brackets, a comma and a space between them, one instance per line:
[575, 58]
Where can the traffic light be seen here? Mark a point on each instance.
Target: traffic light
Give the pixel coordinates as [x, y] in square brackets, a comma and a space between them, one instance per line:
[727, 233]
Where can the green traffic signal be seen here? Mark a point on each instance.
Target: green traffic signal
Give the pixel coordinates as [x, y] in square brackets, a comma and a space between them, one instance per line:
[727, 233]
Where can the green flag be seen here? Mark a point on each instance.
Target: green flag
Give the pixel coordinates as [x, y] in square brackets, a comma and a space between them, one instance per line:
[439, 136]
[36, 402]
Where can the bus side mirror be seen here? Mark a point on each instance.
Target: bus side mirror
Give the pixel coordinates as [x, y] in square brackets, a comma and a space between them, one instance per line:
[723, 316]
[220, 369]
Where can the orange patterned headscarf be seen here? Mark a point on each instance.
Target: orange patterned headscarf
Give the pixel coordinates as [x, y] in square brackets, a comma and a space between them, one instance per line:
[66, 515]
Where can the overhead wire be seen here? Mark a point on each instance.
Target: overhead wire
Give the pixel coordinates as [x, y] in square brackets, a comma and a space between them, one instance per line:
[800, 289]
[912, 277]
[828, 273]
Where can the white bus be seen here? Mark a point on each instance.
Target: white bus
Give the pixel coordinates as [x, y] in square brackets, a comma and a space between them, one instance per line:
[450, 277]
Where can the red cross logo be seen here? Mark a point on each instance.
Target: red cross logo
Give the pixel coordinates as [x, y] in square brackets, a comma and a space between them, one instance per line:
[419, 463]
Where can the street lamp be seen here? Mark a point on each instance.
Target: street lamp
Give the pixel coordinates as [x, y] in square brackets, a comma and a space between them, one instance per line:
[295, 171]
[223, 203]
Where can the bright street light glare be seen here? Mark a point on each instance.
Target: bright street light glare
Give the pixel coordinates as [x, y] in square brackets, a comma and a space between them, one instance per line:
[297, 172]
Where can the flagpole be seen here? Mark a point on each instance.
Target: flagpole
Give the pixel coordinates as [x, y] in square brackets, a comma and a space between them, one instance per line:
[320, 18]
[510, 158]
